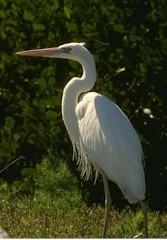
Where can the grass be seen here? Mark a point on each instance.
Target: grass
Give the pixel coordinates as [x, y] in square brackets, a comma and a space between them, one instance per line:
[44, 217]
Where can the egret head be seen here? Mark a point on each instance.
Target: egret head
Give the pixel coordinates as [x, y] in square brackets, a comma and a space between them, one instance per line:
[73, 51]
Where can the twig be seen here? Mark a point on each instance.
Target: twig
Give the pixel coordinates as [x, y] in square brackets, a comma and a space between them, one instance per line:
[11, 163]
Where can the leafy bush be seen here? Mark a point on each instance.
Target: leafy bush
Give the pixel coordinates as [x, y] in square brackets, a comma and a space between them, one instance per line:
[51, 183]
[128, 41]
[56, 183]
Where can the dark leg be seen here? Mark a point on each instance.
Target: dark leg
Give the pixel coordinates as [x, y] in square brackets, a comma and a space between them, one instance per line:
[107, 203]
[145, 214]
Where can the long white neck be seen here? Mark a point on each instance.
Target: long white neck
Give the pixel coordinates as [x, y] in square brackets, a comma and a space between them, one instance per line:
[73, 89]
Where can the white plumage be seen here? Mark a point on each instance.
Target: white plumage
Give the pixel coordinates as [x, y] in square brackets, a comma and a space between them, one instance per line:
[111, 143]
[100, 132]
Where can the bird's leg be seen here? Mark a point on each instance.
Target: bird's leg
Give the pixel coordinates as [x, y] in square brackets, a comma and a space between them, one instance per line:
[145, 214]
[107, 204]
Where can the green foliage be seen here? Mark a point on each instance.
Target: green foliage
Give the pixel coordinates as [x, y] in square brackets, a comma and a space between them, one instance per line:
[57, 184]
[25, 217]
[128, 41]
[53, 180]
[49, 182]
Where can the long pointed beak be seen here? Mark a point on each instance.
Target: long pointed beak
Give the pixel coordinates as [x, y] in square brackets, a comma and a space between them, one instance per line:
[45, 52]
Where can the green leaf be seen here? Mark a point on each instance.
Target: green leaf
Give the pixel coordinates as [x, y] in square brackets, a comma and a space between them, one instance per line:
[2, 66]
[51, 82]
[9, 121]
[38, 27]
[2, 14]
[55, 100]
[27, 171]
[67, 11]
[28, 16]
[42, 83]
[16, 137]
[143, 67]
[119, 28]
[73, 64]
[119, 51]
[56, 5]
[50, 115]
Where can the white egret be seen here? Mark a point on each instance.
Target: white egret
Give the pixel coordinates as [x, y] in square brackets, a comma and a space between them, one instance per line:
[101, 134]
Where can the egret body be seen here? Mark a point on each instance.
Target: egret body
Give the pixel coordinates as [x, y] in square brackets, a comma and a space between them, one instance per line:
[102, 136]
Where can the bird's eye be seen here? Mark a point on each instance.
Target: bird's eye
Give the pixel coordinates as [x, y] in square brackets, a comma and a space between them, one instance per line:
[66, 50]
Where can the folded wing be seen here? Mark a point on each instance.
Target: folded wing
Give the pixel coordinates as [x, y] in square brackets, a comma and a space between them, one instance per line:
[111, 143]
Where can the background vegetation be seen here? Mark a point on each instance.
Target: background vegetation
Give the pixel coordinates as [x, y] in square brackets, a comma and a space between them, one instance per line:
[128, 40]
